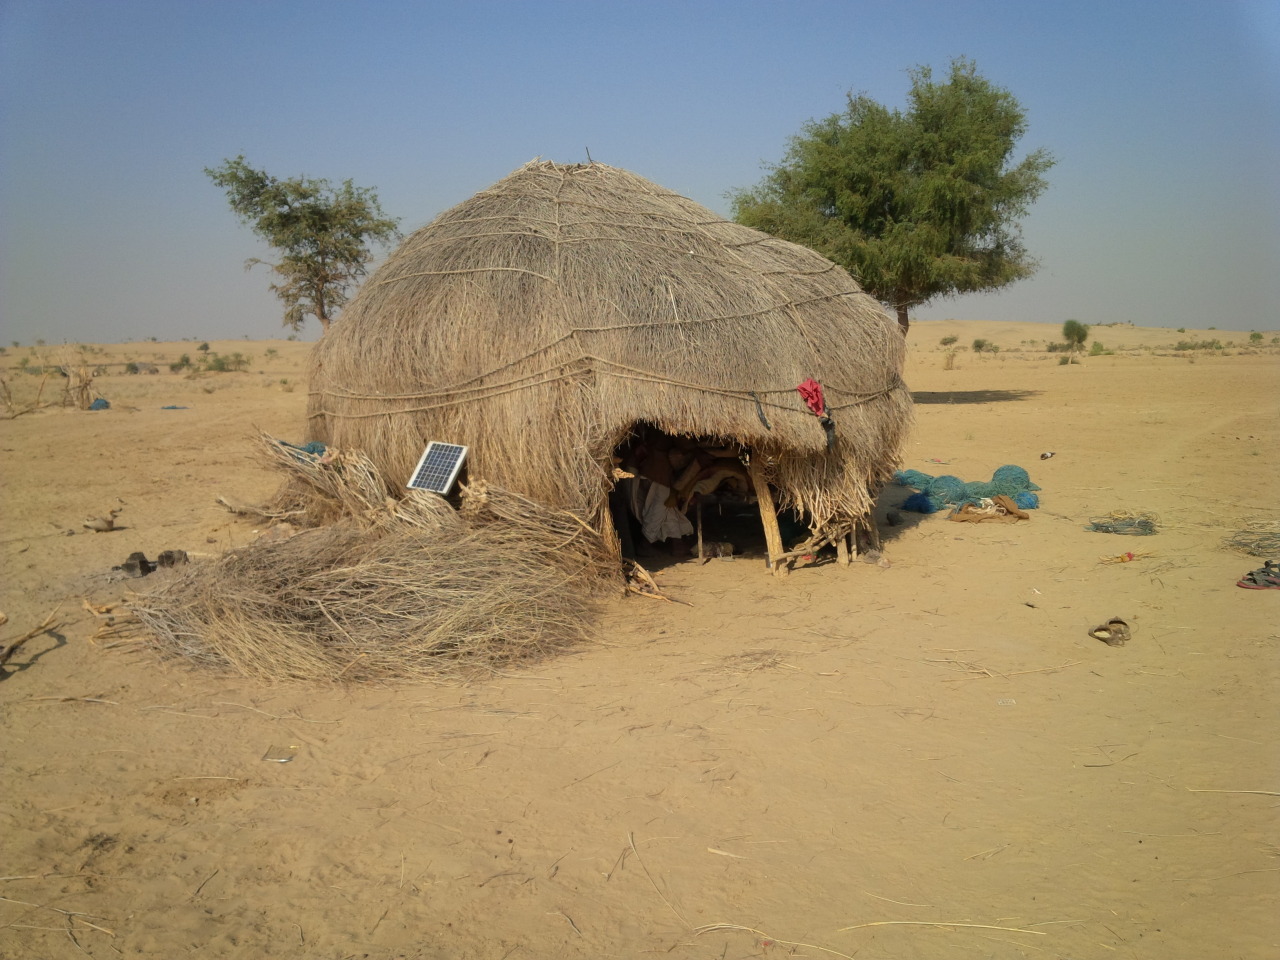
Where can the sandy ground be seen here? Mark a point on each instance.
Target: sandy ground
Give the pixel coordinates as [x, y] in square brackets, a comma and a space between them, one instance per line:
[928, 760]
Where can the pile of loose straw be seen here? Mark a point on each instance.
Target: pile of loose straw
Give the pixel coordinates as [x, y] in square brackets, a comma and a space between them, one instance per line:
[1259, 538]
[392, 590]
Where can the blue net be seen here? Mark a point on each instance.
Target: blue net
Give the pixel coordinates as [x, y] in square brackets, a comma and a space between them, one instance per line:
[936, 493]
[922, 503]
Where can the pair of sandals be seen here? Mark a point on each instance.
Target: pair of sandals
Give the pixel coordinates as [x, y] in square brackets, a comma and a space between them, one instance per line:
[1114, 632]
[1266, 577]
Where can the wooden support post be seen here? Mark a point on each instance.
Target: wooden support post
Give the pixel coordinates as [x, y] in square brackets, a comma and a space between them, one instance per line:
[866, 536]
[699, 513]
[769, 518]
[842, 550]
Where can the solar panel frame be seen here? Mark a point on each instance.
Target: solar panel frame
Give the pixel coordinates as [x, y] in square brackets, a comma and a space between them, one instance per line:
[438, 467]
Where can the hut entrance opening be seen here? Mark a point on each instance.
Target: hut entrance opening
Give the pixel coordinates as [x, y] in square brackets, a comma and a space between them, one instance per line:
[674, 493]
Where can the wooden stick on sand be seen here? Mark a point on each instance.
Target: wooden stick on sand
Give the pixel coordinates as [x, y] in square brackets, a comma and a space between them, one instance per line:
[46, 625]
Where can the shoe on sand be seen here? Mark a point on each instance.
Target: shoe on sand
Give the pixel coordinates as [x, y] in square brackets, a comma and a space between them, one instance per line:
[1266, 577]
[1113, 633]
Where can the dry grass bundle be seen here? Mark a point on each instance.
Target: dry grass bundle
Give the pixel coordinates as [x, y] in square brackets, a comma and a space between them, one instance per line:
[1127, 523]
[348, 603]
[393, 590]
[541, 320]
[1259, 538]
[321, 488]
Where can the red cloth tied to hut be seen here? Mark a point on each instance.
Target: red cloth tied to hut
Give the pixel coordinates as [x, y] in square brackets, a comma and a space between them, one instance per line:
[811, 391]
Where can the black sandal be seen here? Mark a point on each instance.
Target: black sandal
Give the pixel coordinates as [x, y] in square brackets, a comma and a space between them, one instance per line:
[1266, 577]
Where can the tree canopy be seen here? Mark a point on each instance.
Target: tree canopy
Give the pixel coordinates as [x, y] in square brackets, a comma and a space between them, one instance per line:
[323, 235]
[916, 204]
[1075, 333]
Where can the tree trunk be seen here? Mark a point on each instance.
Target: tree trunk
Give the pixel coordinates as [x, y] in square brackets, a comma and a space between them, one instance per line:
[903, 322]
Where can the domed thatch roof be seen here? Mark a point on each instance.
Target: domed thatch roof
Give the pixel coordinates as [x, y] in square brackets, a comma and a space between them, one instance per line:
[541, 320]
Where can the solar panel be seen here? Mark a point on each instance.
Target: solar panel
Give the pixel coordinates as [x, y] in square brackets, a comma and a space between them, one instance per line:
[438, 467]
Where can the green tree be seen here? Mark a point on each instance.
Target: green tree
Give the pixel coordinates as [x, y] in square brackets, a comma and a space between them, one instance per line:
[1075, 333]
[322, 233]
[916, 204]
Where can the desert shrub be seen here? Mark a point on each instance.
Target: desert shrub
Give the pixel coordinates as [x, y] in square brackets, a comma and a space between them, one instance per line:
[131, 367]
[979, 345]
[1254, 337]
[1075, 333]
[204, 348]
[949, 360]
[1058, 347]
[1098, 350]
[1182, 329]
[948, 341]
[1198, 344]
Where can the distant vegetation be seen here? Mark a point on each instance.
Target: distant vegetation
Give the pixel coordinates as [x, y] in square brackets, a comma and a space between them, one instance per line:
[322, 234]
[1075, 333]
[916, 203]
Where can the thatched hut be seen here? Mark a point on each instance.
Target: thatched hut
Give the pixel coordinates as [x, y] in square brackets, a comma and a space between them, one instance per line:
[542, 321]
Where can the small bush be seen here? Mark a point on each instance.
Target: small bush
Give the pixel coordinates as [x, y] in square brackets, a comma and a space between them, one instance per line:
[203, 348]
[949, 360]
[1182, 329]
[131, 367]
[1255, 337]
[1063, 361]
[1098, 350]
[1198, 344]
[948, 341]
[1075, 333]
[980, 345]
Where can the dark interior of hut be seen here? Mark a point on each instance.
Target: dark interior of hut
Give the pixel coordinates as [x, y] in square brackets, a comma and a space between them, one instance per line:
[676, 497]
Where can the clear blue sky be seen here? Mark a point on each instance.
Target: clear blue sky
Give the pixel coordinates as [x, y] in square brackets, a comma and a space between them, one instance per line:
[1164, 116]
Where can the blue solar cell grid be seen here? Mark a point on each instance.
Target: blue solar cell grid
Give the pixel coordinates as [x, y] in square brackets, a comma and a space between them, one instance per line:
[438, 467]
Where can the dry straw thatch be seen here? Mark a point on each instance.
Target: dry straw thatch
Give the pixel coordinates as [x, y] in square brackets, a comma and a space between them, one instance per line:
[386, 590]
[540, 321]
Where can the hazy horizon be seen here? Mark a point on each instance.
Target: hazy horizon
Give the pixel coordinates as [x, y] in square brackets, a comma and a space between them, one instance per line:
[1163, 208]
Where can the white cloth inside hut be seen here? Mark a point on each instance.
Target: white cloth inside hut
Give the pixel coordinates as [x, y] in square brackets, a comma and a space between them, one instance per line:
[648, 501]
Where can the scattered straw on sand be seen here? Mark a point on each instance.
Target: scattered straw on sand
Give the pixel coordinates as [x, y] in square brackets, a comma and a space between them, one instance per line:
[394, 590]
[1259, 538]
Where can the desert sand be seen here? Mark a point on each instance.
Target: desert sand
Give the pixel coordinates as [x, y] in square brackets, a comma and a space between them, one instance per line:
[930, 759]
